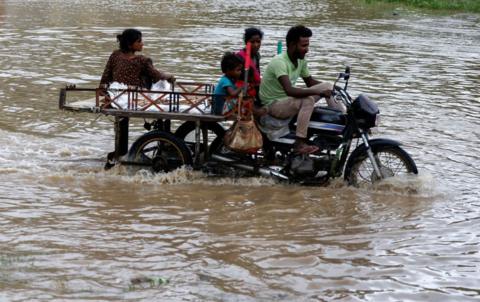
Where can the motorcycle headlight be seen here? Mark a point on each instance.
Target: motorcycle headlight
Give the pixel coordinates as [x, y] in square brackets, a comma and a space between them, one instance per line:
[377, 120]
[375, 129]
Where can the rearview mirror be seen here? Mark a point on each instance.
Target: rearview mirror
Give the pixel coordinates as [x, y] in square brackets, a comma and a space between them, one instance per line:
[346, 75]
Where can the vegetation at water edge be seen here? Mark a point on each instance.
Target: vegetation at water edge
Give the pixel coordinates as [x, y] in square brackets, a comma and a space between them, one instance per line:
[472, 6]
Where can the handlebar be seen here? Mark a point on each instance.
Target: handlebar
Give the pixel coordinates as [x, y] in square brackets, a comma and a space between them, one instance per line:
[343, 75]
[342, 91]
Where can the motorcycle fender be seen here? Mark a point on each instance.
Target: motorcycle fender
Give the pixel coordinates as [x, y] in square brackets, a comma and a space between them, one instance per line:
[377, 142]
[362, 149]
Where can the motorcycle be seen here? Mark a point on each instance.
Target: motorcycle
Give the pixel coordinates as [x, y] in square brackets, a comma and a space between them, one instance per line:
[334, 133]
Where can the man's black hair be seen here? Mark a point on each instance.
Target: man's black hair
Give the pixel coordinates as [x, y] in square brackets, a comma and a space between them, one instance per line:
[230, 61]
[296, 32]
[127, 38]
[250, 32]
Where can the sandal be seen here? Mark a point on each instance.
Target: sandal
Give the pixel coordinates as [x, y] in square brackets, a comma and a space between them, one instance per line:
[305, 149]
[110, 161]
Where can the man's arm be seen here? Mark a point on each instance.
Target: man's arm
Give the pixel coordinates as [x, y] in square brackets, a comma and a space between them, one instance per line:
[298, 92]
[310, 81]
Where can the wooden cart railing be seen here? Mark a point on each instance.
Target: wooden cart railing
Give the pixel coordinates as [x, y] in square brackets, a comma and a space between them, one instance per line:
[184, 102]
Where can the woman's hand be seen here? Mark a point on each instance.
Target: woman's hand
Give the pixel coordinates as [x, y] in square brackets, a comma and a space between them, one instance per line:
[171, 78]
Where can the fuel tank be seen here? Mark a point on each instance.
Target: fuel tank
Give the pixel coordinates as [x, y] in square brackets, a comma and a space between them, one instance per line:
[327, 120]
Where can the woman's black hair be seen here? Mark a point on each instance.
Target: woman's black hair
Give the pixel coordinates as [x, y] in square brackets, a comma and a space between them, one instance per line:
[127, 38]
[230, 61]
[250, 32]
[296, 32]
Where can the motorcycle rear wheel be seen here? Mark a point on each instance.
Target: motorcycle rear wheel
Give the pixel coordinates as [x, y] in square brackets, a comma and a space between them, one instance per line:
[186, 132]
[392, 161]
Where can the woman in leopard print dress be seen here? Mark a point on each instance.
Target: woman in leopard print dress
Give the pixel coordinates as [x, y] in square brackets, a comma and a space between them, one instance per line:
[125, 67]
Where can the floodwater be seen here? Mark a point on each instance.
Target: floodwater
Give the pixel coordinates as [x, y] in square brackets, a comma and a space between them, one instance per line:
[71, 231]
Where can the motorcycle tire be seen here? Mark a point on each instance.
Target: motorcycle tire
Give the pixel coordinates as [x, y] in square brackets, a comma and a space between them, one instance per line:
[186, 132]
[392, 161]
[160, 151]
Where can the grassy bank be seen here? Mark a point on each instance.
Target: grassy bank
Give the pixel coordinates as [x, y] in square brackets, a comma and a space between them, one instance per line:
[472, 6]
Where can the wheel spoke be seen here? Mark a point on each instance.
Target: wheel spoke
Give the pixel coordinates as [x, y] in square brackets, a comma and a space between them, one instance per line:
[150, 149]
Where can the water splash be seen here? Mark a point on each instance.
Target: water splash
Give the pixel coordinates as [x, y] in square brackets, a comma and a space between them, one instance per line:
[422, 185]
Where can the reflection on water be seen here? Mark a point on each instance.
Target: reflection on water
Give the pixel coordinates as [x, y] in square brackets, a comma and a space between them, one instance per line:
[70, 230]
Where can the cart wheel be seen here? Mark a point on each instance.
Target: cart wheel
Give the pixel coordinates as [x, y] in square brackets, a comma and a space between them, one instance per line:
[186, 131]
[161, 151]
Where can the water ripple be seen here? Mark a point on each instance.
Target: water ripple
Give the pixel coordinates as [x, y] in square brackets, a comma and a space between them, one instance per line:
[70, 230]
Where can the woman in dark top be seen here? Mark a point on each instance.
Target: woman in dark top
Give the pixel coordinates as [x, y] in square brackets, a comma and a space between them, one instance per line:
[125, 67]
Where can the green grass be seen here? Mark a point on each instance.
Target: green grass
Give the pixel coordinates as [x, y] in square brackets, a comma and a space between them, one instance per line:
[472, 6]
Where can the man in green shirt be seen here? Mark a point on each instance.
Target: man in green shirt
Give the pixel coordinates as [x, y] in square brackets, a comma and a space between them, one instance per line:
[279, 94]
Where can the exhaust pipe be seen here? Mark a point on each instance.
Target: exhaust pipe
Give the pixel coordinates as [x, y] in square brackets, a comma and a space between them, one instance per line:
[263, 171]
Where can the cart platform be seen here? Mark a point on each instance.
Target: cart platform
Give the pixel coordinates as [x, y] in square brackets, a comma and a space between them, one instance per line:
[187, 101]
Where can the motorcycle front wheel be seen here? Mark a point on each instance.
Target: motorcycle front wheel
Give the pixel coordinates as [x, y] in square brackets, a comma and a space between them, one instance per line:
[391, 160]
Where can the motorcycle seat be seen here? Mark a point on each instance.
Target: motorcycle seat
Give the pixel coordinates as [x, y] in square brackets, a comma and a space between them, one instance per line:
[286, 139]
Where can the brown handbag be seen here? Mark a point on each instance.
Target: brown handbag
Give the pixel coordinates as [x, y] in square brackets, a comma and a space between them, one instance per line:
[244, 135]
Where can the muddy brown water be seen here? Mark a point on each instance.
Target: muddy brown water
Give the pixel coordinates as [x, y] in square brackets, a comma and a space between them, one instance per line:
[71, 231]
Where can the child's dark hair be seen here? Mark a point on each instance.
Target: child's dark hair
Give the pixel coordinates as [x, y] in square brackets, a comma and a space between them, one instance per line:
[296, 32]
[127, 38]
[250, 32]
[230, 61]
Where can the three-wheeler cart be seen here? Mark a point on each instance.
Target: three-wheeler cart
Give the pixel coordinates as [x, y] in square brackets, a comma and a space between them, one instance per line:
[189, 104]
[160, 149]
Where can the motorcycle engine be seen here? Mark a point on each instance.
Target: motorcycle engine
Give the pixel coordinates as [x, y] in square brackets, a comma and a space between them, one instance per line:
[307, 166]
[303, 165]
